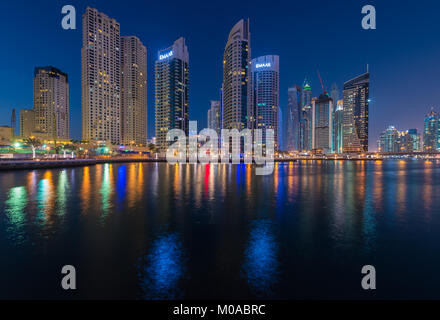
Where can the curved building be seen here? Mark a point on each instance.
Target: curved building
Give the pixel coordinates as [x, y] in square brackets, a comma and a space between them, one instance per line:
[236, 61]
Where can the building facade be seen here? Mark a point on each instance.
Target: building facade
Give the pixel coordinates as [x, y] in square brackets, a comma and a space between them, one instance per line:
[356, 95]
[236, 61]
[27, 123]
[133, 91]
[171, 88]
[338, 130]
[431, 133]
[264, 100]
[101, 77]
[305, 127]
[51, 103]
[214, 116]
[293, 118]
[322, 138]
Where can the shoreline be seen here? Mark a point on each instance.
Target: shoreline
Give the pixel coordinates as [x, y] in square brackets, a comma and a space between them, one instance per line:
[10, 165]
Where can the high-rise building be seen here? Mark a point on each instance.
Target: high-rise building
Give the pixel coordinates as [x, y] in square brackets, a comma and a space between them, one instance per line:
[171, 87]
[335, 95]
[356, 110]
[214, 116]
[134, 91]
[305, 132]
[51, 103]
[264, 95]
[101, 77]
[389, 140]
[322, 123]
[338, 126]
[431, 134]
[293, 118]
[414, 140]
[393, 140]
[236, 60]
[27, 123]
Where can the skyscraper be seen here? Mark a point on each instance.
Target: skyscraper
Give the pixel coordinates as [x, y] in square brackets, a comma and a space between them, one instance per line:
[101, 77]
[214, 116]
[293, 118]
[338, 126]
[305, 132]
[322, 123]
[264, 95]
[51, 103]
[171, 87]
[236, 60]
[356, 110]
[389, 140]
[27, 123]
[335, 95]
[431, 134]
[134, 91]
[414, 140]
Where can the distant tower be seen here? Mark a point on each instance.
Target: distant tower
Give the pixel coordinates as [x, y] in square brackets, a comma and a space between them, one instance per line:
[322, 123]
[431, 131]
[293, 118]
[51, 102]
[305, 132]
[13, 124]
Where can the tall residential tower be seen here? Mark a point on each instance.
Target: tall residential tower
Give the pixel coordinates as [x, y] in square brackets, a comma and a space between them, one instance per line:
[101, 77]
[171, 87]
[51, 103]
[134, 91]
[236, 60]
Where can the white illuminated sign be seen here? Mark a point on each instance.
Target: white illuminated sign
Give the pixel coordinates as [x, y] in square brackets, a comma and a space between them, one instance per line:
[166, 55]
[262, 65]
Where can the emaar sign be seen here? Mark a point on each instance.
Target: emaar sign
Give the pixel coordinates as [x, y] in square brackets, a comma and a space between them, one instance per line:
[166, 55]
[263, 65]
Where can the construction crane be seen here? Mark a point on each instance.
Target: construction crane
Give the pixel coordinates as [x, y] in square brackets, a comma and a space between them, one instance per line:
[322, 85]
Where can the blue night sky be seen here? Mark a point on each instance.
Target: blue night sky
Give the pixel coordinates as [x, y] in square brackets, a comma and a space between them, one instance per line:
[403, 53]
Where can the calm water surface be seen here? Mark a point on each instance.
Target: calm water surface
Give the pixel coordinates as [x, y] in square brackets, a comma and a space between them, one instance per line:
[159, 231]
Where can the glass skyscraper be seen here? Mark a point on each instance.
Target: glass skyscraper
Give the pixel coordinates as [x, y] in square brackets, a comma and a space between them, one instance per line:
[356, 112]
[431, 134]
[338, 126]
[264, 99]
[171, 88]
[293, 118]
[305, 127]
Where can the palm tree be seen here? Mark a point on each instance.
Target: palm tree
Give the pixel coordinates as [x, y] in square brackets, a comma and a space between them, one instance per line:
[152, 147]
[34, 143]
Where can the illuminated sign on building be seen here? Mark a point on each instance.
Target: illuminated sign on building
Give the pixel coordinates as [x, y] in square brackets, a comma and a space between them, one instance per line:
[262, 65]
[166, 55]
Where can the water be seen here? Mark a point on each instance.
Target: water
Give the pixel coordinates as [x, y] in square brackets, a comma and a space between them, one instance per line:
[159, 231]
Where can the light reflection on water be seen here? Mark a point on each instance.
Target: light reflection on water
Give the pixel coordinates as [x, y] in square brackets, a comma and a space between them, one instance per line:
[339, 213]
[160, 271]
[260, 268]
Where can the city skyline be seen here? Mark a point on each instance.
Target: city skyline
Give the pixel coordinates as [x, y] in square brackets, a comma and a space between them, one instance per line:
[383, 107]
